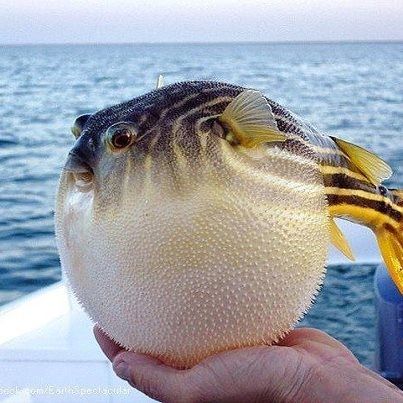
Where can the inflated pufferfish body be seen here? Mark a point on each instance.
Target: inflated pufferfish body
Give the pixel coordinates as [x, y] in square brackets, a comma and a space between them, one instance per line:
[194, 219]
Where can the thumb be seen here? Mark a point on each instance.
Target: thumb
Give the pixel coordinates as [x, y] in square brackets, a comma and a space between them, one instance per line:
[151, 376]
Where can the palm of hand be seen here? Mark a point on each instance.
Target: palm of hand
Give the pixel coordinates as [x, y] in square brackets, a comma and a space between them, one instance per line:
[277, 373]
[308, 365]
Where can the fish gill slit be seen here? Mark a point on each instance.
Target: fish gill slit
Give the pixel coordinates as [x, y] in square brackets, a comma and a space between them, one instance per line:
[177, 124]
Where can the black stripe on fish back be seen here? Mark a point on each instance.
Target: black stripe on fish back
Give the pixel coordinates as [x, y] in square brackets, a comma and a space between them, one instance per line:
[326, 150]
[178, 127]
[356, 200]
[344, 181]
[148, 107]
[329, 153]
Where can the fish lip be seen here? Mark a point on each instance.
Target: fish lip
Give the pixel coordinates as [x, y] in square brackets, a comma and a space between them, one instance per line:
[76, 164]
[79, 172]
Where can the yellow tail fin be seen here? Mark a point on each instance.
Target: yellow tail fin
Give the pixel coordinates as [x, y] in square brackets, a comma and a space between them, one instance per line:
[390, 243]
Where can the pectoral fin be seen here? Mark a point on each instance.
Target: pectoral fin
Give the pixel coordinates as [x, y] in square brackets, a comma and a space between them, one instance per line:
[369, 164]
[250, 120]
[339, 241]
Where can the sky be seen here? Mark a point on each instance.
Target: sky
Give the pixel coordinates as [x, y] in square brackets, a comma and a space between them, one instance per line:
[100, 21]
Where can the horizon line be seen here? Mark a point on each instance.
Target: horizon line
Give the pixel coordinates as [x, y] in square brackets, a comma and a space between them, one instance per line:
[331, 41]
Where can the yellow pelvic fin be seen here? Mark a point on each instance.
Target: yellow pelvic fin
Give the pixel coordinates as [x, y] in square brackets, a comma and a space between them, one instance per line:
[339, 241]
[250, 120]
[369, 164]
[391, 245]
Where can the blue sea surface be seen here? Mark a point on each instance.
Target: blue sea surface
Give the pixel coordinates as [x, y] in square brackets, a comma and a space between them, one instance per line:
[352, 90]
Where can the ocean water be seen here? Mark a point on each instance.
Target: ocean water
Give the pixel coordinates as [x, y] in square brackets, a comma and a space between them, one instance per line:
[350, 90]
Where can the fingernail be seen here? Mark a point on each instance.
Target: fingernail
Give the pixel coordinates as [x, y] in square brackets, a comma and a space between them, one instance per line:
[122, 370]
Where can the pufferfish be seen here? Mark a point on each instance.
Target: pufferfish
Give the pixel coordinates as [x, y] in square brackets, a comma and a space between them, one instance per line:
[196, 218]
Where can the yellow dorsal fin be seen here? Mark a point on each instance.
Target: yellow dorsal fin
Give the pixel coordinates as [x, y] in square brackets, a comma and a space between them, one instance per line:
[250, 120]
[338, 240]
[160, 82]
[369, 164]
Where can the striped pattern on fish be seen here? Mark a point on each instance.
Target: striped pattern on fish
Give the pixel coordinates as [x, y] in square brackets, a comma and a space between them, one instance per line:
[352, 177]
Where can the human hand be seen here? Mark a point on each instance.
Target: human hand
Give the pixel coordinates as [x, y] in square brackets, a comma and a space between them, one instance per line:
[308, 365]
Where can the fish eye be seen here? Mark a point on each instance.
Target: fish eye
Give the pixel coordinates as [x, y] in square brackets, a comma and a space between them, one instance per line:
[121, 135]
[121, 138]
[383, 190]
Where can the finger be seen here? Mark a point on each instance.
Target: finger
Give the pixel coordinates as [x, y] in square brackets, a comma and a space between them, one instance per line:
[300, 335]
[306, 337]
[151, 376]
[108, 346]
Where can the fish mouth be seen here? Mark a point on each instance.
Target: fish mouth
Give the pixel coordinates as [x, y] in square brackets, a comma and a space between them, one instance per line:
[79, 172]
[76, 163]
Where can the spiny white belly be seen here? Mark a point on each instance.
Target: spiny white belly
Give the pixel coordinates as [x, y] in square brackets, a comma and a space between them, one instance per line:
[234, 261]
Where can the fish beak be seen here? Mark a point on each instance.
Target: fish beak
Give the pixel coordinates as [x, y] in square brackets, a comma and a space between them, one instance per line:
[76, 164]
[80, 172]
[81, 157]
